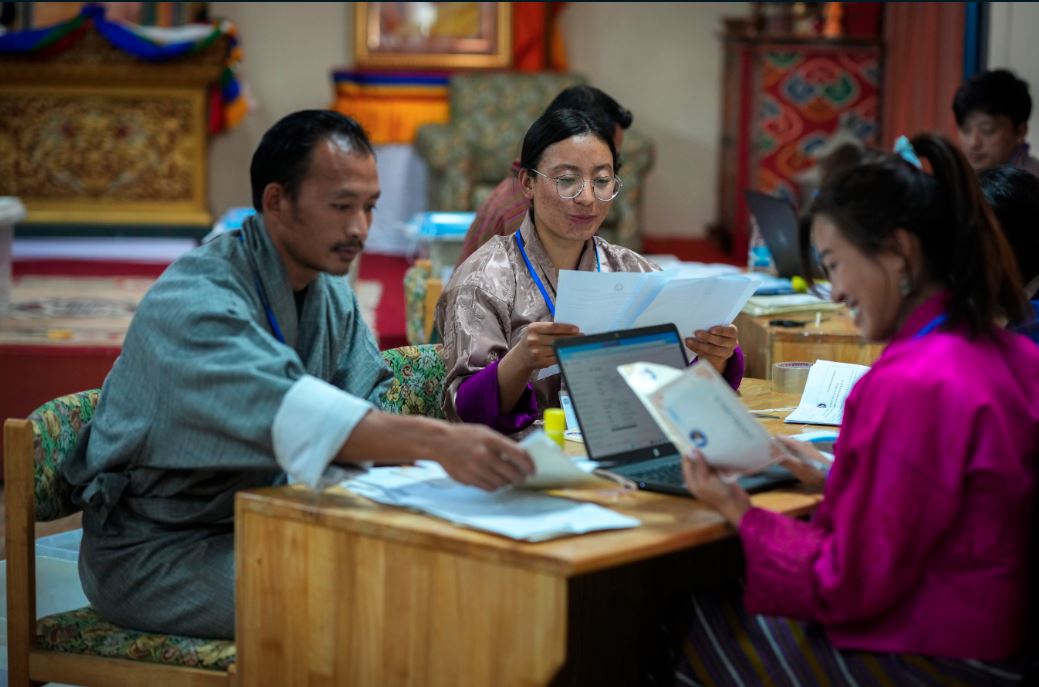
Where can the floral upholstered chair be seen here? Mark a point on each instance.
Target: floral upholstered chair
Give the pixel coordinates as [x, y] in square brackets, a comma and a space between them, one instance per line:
[421, 291]
[418, 380]
[490, 114]
[78, 646]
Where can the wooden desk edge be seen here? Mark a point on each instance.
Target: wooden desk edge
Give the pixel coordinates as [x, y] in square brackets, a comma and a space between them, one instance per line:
[565, 557]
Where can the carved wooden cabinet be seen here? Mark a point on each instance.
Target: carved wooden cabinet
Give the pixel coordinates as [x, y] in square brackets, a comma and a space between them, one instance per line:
[782, 100]
[94, 135]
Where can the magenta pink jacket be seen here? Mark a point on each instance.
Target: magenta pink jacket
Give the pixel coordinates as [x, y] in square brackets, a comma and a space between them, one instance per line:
[921, 543]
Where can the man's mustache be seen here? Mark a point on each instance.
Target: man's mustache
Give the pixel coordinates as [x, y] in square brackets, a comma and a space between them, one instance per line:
[355, 245]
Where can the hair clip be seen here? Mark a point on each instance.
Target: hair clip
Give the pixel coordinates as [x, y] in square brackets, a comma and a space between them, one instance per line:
[904, 149]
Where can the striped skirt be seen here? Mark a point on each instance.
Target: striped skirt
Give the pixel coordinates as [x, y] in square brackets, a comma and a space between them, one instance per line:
[727, 646]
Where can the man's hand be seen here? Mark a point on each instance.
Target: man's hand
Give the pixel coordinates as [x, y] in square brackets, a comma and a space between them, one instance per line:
[715, 345]
[704, 483]
[479, 456]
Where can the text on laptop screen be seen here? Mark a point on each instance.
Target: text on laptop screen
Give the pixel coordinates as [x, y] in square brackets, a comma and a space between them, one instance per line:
[614, 423]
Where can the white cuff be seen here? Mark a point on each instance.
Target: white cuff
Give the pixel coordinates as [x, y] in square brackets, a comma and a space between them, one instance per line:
[311, 425]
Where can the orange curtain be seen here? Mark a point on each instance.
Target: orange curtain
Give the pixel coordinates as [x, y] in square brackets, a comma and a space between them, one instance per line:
[537, 41]
[923, 67]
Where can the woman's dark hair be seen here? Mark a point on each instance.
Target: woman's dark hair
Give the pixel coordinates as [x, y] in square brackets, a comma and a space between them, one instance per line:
[284, 153]
[1013, 195]
[995, 92]
[593, 101]
[963, 248]
[559, 125]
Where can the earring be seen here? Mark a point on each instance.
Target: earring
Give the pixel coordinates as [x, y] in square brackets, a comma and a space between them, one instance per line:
[905, 285]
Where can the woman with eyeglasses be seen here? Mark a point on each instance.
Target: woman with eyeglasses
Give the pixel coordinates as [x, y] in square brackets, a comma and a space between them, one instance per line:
[496, 314]
[918, 567]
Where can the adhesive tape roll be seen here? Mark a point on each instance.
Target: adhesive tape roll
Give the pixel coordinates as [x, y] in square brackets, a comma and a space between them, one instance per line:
[790, 378]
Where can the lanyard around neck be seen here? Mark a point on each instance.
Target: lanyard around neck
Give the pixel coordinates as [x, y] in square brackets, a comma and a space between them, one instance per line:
[537, 280]
[271, 319]
[930, 326]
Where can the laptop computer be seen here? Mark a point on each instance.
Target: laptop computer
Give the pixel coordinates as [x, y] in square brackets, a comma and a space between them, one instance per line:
[778, 224]
[616, 428]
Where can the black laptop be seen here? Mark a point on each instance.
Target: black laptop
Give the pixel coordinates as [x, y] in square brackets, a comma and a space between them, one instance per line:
[777, 221]
[616, 428]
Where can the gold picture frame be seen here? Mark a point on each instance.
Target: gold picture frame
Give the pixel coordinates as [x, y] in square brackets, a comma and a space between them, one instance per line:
[433, 35]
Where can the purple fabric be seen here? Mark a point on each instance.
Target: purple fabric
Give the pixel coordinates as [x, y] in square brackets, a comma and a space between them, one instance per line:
[478, 401]
[734, 366]
[924, 529]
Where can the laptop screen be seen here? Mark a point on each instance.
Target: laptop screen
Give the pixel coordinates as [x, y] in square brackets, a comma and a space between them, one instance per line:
[777, 222]
[614, 424]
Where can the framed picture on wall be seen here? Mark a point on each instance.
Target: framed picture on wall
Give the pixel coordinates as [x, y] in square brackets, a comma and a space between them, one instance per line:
[433, 35]
[22, 16]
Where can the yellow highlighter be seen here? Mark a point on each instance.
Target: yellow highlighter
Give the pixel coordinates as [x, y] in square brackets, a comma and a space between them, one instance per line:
[555, 425]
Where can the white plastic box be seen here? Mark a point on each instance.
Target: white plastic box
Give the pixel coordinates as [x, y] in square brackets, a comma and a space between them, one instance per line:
[11, 211]
[441, 235]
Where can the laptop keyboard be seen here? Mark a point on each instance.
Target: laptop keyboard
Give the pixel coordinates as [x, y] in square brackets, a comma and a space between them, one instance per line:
[667, 472]
[662, 474]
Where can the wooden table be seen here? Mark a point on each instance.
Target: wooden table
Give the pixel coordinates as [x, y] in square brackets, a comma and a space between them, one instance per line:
[335, 589]
[836, 338]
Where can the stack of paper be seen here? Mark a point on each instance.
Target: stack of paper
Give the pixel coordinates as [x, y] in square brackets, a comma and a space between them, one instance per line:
[604, 301]
[514, 513]
[797, 302]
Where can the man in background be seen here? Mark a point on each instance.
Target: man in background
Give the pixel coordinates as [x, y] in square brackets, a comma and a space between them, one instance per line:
[992, 111]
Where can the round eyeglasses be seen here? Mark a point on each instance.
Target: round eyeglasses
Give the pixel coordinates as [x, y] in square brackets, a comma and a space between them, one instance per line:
[569, 186]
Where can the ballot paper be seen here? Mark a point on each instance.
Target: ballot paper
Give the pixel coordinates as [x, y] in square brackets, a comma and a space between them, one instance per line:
[553, 468]
[604, 301]
[515, 513]
[825, 393]
[697, 409]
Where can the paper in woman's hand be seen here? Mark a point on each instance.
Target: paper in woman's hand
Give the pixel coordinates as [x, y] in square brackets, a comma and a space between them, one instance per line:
[697, 409]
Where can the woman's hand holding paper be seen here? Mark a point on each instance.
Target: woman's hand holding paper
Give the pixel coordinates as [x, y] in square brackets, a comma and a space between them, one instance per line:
[704, 482]
[715, 345]
[802, 459]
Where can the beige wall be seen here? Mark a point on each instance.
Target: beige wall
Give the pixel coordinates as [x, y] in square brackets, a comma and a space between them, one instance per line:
[1012, 44]
[661, 60]
[290, 50]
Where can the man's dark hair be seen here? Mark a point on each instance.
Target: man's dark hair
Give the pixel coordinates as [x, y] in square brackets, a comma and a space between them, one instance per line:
[997, 92]
[593, 101]
[1013, 195]
[283, 156]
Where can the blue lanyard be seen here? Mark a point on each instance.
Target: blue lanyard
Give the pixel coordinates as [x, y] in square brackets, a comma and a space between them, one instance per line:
[271, 319]
[930, 326]
[537, 279]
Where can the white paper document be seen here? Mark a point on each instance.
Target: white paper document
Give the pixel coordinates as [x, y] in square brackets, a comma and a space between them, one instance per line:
[553, 468]
[826, 390]
[604, 301]
[696, 408]
[515, 513]
[794, 302]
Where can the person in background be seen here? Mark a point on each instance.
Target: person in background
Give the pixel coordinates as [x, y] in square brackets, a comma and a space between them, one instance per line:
[245, 364]
[992, 111]
[503, 211]
[1013, 195]
[916, 567]
[495, 316]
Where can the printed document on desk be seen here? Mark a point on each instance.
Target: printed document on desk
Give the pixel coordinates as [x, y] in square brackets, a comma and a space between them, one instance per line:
[826, 390]
[604, 301]
[696, 408]
[514, 513]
